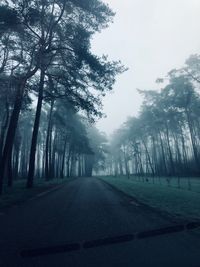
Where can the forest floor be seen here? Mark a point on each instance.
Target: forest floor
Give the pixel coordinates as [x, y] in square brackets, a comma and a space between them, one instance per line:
[179, 202]
[18, 193]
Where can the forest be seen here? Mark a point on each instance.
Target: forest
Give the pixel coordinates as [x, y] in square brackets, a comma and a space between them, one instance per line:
[94, 171]
[51, 88]
[163, 140]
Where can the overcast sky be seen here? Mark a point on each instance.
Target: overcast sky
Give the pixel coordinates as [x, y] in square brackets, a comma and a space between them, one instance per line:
[151, 37]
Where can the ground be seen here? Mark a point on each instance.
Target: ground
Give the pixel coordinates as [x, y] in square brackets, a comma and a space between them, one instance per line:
[88, 212]
[180, 202]
[18, 193]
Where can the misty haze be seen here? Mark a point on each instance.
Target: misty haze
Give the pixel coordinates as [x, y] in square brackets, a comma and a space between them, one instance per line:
[99, 133]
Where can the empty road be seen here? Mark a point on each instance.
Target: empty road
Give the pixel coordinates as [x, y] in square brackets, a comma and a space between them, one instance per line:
[89, 223]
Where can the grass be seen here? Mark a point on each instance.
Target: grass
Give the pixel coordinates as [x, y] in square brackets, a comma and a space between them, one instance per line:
[181, 184]
[19, 194]
[182, 203]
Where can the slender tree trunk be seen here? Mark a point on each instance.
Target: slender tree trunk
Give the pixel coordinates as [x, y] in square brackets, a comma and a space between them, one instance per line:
[79, 166]
[163, 155]
[63, 159]
[10, 172]
[52, 167]
[148, 157]
[49, 130]
[72, 169]
[192, 139]
[16, 162]
[126, 163]
[38, 161]
[120, 166]
[170, 152]
[68, 161]
[35, 132]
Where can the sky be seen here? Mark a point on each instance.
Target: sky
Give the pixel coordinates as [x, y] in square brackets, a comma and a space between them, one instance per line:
[150, 37]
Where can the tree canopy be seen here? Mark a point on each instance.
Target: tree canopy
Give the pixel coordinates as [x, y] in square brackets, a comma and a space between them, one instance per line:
[46, 68]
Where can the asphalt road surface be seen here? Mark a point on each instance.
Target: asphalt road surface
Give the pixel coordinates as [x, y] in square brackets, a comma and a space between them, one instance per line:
[89, 223]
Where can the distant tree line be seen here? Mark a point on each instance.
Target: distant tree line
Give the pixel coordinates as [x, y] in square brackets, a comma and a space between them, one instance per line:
[164, 140]
[49, 79]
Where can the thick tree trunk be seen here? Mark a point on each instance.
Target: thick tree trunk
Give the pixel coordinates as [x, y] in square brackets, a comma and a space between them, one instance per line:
[4, 128]
[11, 132]
[89, 162]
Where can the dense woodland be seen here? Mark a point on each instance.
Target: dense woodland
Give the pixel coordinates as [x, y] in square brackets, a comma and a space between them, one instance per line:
[51, 88]
[164, 139]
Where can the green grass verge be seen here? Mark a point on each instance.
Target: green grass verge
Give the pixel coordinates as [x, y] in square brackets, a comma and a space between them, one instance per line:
[178, 202]
[19, 193]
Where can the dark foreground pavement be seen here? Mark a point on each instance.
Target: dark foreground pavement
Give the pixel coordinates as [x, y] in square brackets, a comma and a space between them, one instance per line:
[87, 209]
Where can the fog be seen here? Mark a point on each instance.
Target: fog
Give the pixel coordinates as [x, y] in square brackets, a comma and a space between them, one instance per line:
[150, 38]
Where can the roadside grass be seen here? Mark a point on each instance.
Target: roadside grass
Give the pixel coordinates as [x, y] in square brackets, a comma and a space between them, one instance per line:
[180, 183]
[19, 193]
[181, 203]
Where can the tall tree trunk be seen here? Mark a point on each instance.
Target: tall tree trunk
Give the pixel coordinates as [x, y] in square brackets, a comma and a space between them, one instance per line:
[79, 166]
[73, 164]
[126, 162]
[120, 166]
[63, 159]
[10, 136]
[10, 171]
[35, 132]
[170, 152]
[190, 126]
[68, 161]
[148, 158]
[163, 154]
[49, 130]
[4, 128]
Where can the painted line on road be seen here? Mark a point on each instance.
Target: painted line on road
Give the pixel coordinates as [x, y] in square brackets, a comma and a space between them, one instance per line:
[108, 241]
[161, 231]
[50, 250]
[29, 253]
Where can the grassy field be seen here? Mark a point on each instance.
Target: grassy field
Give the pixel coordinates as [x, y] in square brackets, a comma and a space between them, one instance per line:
[179, 202]
[18, 193]
[181, 183]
